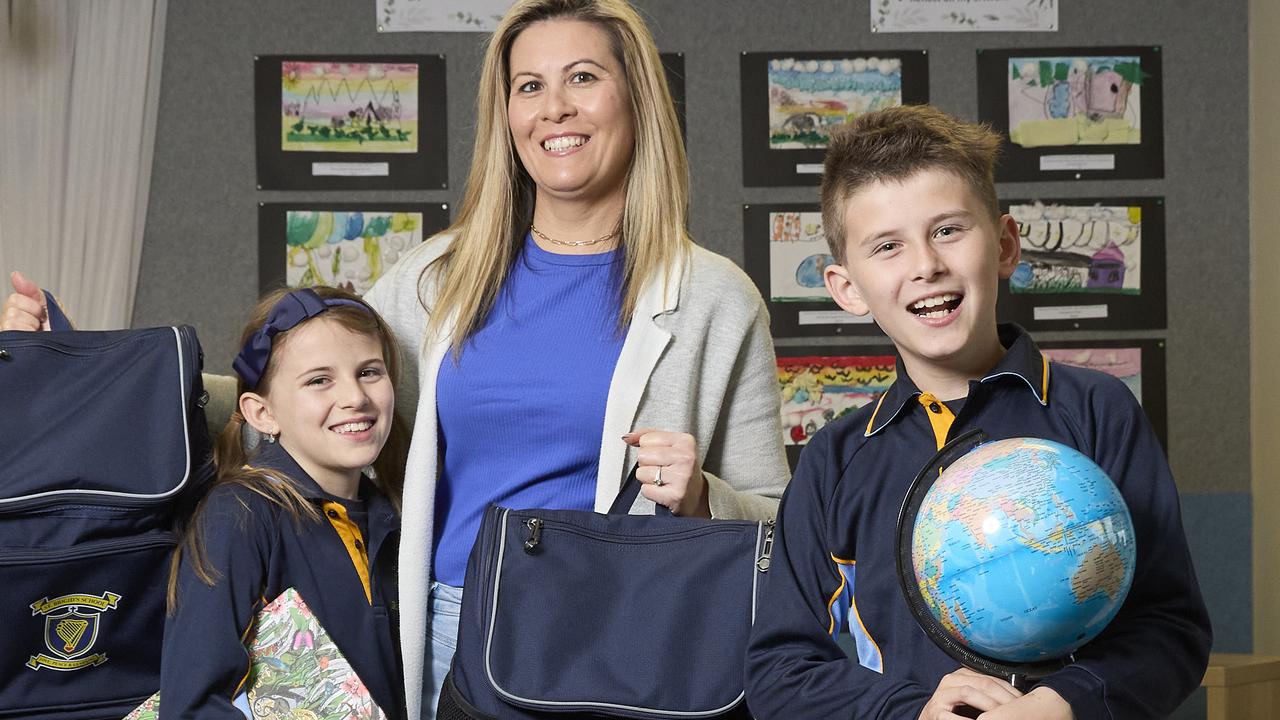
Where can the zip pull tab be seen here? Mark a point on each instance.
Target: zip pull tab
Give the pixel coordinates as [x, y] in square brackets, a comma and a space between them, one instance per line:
[766, 554]
[535, 534]
[4, 354]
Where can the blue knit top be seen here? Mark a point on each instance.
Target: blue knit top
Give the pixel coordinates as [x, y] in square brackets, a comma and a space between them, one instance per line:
[522, 409]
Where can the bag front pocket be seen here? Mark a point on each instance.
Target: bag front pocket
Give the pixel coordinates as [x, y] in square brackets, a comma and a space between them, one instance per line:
[82, 627]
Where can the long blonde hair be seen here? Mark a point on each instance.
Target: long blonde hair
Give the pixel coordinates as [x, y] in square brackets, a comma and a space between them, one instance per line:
[497, 206]
[231, 458]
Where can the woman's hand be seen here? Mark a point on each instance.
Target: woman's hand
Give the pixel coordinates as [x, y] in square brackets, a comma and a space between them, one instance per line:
[669, 472]
[25, 309]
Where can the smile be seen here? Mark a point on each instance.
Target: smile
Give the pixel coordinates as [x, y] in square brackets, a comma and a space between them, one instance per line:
[564, 142]
[352, 427]
[937, 306]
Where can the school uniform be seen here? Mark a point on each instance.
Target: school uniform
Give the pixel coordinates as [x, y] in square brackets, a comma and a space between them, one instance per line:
[343, 566]
[834, 561]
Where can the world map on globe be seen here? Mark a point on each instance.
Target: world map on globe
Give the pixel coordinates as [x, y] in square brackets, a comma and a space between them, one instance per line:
[1023, 550]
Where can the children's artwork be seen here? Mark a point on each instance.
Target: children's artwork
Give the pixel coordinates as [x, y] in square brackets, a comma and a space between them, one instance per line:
[1121, 362]
[809, 97]
[1087, 264]
[791, 101]
[1076, 113]
[1075, 101]
[348, 107]
[797, 256]
[349, 250]
[1078, 249]
[346, 245]
[1138, 363]
[785, 255]
[819, 389]
[296, 671]
[964, 15]
[350, 122]
[440, 15]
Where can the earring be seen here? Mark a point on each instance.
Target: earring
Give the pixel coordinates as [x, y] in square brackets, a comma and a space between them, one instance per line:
[271, 439]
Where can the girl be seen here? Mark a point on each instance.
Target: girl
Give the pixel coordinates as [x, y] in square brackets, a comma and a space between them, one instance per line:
[316, 372]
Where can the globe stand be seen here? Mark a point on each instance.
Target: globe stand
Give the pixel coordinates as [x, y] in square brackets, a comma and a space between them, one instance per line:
[1020, 675]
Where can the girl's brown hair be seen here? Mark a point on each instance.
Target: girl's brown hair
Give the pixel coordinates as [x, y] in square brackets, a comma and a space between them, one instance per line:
[232, 458]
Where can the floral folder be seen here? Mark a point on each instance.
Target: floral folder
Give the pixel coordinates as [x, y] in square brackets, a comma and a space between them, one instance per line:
[297, 671]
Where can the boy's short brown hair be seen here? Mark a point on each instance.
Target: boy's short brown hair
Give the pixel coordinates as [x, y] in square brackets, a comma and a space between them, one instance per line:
[893, 144]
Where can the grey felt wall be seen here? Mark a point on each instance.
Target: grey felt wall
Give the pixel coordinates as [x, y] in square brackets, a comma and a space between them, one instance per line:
[199, 259]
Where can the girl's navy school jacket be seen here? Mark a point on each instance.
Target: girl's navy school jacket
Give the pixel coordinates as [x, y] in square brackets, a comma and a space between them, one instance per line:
[259, 550]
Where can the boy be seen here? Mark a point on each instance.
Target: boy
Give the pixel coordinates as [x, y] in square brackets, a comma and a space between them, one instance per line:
[909, 207]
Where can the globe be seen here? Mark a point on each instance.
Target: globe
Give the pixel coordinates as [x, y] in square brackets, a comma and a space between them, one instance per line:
[1021, 550]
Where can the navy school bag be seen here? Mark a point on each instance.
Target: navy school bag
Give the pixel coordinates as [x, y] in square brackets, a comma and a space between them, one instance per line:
[575, 614]
[102, 444]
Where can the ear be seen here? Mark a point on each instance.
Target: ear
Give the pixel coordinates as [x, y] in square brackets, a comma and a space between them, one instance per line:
[1010, 246]
[843, 291]
[258, 414]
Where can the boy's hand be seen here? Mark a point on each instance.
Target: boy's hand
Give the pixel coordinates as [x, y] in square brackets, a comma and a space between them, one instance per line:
[965, 690]
[1041, 703]
[25, 309]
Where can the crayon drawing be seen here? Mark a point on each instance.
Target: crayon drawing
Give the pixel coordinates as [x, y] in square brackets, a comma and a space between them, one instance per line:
[350, 250]
[1078, 249]
[1124, 363]
[798, 254]
[1056, 101]
[819, 389]
[808, 97]
[349, 107]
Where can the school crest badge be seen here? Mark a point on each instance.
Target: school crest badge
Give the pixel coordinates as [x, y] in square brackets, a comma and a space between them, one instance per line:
[70, 629]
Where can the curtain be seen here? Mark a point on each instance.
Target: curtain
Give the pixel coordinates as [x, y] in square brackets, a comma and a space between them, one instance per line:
[79, 91]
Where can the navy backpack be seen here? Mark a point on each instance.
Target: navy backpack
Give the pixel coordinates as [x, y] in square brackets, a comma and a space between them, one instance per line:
[102, 444]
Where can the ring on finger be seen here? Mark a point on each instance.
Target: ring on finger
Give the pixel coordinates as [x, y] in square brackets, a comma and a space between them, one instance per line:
[657, 478]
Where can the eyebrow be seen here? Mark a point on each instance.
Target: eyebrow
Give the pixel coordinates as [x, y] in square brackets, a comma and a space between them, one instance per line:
[376, 360]
[566, 68]
[945, 215]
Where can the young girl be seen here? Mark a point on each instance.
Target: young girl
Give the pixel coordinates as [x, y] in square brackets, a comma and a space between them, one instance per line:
[316, 372]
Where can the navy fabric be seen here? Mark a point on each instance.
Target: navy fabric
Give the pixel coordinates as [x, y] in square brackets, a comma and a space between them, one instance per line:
[618, 615]
[259, 551]
[533, 381]
[102, 443]
[288, 311]
[837, 529]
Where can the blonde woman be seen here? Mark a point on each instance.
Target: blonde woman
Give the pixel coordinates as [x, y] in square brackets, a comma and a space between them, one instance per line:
[566, 326]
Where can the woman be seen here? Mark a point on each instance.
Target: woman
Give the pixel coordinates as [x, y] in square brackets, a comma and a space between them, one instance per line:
[565, 327]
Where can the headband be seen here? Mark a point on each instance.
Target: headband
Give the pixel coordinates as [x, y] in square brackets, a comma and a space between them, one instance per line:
[288, 311]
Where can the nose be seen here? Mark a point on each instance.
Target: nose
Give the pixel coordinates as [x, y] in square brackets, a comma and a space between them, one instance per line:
[352, 395]
[927, 263]
[557, 106]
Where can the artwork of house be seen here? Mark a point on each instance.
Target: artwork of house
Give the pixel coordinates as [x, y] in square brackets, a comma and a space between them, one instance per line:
[1106, 268]
[1078, 249]
[1056, 101]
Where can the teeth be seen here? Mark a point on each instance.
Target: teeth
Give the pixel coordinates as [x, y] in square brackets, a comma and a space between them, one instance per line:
[354, 427]
[934, 301]
[563, 143]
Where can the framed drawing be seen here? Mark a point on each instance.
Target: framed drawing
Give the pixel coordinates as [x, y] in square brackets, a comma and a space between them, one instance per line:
[822, 384]
[1139, 363]
[785, 254]
[366, 122]
[1088, 263]
[1075, 113]
[347, 245]
[792, 100]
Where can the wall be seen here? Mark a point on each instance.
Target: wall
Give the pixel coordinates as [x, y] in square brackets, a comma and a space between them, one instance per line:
[199, 261]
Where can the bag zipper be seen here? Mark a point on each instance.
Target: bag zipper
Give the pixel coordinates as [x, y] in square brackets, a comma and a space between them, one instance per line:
[86, 550]
[534, 527]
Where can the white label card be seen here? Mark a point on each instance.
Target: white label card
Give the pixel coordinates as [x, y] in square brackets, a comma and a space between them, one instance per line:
[1070, 312]
[372, 169]
[831, 317]
[1077, 162]
[808, 168]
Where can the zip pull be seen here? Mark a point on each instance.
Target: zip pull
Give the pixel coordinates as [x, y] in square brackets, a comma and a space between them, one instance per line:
[766, 554]
[4, 354]
[535, 534]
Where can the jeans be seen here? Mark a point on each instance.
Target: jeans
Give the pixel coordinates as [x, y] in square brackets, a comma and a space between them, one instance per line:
[446, 604]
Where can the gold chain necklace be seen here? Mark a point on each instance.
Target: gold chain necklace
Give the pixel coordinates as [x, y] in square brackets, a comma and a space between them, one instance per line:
[576, 243]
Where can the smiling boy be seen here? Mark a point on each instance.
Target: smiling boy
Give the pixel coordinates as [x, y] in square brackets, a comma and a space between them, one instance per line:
[910, 212]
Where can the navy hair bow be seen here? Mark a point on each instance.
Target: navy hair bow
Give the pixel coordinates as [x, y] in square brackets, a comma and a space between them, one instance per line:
[288, 311]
